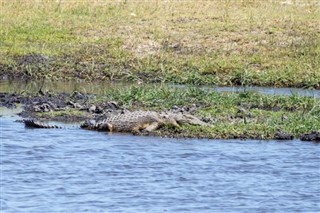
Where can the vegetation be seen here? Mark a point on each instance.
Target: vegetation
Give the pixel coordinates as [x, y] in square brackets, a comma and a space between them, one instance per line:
[247, 42]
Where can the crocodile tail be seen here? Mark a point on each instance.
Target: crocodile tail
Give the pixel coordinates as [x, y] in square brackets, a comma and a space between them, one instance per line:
[37, 124]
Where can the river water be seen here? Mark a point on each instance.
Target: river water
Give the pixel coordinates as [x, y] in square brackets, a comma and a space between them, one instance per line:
[74, 170]
[103, 87]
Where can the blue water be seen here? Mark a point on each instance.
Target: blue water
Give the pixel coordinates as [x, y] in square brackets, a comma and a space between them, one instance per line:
[72, 170]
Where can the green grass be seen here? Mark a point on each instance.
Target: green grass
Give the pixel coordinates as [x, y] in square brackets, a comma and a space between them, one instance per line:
[263, 43]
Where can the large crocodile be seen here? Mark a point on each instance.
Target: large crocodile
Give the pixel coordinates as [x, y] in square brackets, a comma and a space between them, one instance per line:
[142, 121]
[131, 122]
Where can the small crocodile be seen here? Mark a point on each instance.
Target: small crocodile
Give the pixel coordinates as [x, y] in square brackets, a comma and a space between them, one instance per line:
[142, 121]
[31, 123]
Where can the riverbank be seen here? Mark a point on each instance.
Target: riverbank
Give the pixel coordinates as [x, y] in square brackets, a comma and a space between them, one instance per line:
[226, 43]
[245, 115]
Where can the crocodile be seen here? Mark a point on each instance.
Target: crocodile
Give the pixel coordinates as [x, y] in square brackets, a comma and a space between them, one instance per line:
[137, 121]
[146, 121]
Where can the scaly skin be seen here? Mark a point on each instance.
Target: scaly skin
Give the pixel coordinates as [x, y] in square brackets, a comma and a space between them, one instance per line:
[136, 121]
[141, 121]
[38, 124]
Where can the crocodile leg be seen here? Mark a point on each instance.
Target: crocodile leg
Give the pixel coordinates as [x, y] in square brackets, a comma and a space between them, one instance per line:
[153, 126]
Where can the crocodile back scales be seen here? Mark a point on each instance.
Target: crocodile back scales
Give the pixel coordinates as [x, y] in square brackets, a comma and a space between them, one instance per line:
[132, 120]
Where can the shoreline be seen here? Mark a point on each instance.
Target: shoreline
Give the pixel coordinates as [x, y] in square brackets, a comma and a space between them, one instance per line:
[48, 72]
[244, 115]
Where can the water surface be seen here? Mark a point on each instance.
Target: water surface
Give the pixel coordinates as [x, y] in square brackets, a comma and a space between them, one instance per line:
[73, 170]
[103, 87]
[273, 91]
